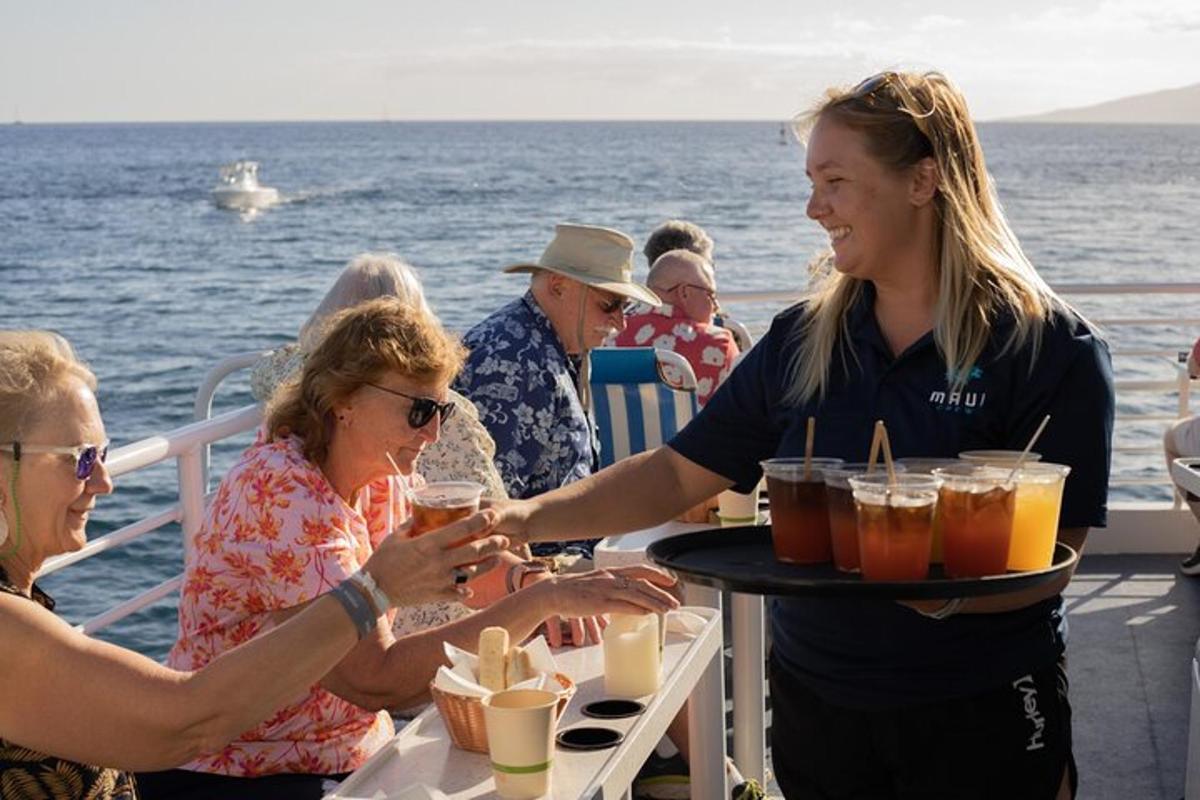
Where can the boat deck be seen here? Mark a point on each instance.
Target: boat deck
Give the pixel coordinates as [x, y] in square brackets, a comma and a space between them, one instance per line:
[1133, 625]
[1134, 621]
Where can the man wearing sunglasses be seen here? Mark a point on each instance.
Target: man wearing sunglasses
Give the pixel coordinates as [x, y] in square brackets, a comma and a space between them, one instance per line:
[526, 371]
[686, 284]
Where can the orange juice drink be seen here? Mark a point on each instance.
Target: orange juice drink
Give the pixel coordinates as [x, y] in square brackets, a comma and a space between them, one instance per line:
[895, 525]
[436, 505]
[925, 465]
[799, 517]
[1035, 522]
[843, 519]
[975, 506]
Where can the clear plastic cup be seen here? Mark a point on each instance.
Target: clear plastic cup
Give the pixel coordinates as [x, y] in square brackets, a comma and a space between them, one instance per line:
[799, 516]
[925, 465]
[895, 525]
[436, 505]
[843, 520]
[996, 458]
[975, 508]
[1035, 521]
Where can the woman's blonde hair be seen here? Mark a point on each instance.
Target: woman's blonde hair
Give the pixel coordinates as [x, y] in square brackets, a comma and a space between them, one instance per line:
[35, 367]
[367, 276]
[359, 346]
[982, 273]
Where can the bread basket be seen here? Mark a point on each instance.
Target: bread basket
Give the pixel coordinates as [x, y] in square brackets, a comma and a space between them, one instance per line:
[464, 715]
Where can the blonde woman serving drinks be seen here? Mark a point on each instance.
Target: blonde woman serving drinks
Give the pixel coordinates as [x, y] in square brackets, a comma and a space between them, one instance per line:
[935, 321]
[69, 702]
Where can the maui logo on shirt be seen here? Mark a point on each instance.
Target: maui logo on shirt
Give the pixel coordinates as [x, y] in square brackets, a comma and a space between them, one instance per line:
[963, 401]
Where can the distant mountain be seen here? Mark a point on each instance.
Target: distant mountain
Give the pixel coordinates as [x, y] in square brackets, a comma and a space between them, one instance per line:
[1166, 107]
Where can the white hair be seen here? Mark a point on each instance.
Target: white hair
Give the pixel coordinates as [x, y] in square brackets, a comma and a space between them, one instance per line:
[366, 277]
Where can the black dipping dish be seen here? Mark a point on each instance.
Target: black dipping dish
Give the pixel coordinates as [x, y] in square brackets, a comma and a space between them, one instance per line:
[612, 709]
[589, 738]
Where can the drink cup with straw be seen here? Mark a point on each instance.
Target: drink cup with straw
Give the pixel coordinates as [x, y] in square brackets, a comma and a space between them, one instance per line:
[1039, 501]
[799, 515]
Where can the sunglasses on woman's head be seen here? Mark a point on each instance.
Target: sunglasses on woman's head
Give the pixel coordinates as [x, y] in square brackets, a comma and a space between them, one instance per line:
[422, 409]
[904, 98]
[86, 455]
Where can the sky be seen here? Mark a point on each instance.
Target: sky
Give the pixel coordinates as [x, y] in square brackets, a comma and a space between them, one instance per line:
[135, 60]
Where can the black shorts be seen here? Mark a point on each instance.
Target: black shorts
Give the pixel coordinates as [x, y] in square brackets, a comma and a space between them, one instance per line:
[1014, 742]
[183, 784]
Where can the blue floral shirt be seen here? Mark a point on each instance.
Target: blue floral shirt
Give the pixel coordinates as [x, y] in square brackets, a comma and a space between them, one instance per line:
[524, 384]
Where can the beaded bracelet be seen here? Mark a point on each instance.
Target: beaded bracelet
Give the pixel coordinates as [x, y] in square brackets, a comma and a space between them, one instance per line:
[357, 606]
[364, 580]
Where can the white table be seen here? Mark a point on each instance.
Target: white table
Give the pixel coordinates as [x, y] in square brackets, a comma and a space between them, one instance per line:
[1184, 476]
[749, 641]
[422, 752]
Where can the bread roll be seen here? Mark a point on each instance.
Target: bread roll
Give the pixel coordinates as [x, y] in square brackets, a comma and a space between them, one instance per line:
[493, 647]
[520, 666]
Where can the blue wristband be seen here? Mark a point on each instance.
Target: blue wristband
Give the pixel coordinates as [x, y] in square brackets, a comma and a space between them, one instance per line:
[359, 609]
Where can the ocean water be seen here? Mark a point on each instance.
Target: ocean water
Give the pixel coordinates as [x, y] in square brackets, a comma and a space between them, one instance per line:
[107, 234]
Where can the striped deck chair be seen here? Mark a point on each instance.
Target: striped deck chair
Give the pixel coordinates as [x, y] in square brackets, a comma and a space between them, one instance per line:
[640, 398]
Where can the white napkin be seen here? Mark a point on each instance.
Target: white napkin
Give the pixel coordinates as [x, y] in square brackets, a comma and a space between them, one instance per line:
[462, 676]
[685, 622]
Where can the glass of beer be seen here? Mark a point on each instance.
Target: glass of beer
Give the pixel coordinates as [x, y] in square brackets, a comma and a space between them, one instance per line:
[436, 505]
[1035, 522]
[799, 516]
[843, 521]
[975, 507]
[895, 525]
[925, 465]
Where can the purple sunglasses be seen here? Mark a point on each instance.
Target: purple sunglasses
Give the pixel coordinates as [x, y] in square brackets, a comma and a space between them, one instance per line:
[86, 455]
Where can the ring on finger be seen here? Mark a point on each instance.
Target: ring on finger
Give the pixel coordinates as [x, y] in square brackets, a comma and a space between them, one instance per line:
[461, 576]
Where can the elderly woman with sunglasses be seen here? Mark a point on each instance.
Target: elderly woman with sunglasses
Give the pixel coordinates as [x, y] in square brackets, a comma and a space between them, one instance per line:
[306, 505]
[68, 702]
[934, 320]
[464, 450]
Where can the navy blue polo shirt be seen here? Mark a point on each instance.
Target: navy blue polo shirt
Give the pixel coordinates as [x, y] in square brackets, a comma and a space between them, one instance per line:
[879, 654]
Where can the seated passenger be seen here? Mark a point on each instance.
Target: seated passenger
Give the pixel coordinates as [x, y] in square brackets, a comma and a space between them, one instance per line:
[68, 701]
[1182, 440]
[306, 506]
[678, 234]
[686, 284]
[524, 370]
[465, 450]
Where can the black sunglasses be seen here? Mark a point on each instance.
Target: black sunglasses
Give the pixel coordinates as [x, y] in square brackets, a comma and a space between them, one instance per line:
[86, 455]
[621, 304]
[422, 409]
[903, 98]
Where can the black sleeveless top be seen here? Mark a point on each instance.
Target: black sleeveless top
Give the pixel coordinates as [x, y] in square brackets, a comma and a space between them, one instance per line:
[27, 774]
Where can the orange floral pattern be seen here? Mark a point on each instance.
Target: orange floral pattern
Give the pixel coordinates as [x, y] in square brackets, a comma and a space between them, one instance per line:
[276, 536]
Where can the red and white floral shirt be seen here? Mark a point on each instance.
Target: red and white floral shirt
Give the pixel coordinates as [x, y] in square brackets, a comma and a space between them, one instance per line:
[276, 536]
[708, 348]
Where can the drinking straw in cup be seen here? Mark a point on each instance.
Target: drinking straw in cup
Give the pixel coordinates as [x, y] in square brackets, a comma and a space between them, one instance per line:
[843, 520]
[799, 516]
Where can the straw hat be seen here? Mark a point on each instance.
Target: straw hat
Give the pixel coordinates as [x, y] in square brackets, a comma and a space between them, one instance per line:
[599, 257]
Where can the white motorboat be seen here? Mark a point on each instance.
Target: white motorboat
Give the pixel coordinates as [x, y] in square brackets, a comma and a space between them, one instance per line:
[240, 190]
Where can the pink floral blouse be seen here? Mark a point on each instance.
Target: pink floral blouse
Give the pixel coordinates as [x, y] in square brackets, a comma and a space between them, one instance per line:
[275, 536]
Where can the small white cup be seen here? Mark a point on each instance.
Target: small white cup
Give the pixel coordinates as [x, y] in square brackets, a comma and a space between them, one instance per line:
[520, 727]
[735, 508]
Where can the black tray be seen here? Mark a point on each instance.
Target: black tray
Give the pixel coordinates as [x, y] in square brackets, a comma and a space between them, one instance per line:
[741, 560]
